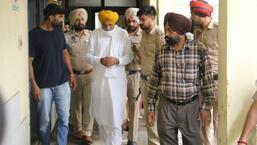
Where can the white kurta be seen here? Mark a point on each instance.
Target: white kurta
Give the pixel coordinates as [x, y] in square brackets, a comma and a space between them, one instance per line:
[109, 85]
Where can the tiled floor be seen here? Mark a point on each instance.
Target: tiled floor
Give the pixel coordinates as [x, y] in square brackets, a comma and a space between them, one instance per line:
[142, 137]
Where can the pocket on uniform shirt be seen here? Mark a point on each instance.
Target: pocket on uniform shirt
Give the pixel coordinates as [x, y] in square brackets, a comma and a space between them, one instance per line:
[74, 50]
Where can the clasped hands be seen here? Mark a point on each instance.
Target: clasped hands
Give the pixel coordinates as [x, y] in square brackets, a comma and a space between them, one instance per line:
[109, 61]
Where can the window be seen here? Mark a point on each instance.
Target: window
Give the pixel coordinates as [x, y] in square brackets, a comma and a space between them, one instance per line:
[121, 3]
[85, 3]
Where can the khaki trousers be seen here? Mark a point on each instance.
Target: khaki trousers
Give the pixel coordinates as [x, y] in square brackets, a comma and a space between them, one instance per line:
[133, 105]
[80, 105]
[153, 138]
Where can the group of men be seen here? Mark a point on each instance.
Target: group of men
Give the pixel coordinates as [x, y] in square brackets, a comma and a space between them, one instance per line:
[176, 77]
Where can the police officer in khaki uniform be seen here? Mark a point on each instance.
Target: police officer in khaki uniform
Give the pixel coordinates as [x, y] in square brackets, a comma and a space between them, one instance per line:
[206, 31]
[133, 74]
[152, 40]
[77, 41]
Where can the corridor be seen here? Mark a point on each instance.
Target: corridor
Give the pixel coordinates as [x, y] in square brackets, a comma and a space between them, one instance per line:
[237, 62]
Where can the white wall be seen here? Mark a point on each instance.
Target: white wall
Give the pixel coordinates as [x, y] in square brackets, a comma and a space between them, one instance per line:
[14, 70]
[238, 66]
[181, 7]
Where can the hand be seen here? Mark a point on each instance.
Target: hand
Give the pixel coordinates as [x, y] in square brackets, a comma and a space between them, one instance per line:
[104, 61]
[204, 117]
[242, 142]
[36, 92]
[72, 81]
[109, 61]
[113, 60]
[135, 50]
[151, 118]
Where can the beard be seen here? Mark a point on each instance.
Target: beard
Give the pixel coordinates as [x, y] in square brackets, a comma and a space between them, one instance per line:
[172, 40]
[79, 27]
[132, 29]
[143, 27]
[56, 25]
[196, 24]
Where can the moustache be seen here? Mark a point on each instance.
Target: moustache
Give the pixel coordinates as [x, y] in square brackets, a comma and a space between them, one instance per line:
[171, 40]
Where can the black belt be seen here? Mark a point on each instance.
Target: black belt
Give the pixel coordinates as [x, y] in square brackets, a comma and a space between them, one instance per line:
[131, 72]
[84, 72]
[183, 103]
[145, 77]
[216, 77]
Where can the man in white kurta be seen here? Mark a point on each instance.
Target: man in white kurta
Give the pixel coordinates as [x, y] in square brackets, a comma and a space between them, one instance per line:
[109, 52]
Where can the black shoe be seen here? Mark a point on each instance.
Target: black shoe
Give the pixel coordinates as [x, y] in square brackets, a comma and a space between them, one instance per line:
[125, 126]
[131, 143]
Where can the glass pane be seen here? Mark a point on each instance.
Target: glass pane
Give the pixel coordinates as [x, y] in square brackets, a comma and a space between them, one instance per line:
[121, 3]
[95, 3]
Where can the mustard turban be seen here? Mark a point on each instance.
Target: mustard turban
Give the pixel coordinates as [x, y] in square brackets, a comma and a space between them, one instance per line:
[77, 13]
[108, 15]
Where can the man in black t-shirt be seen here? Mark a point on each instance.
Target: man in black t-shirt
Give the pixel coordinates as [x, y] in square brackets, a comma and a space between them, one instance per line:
[49, 62]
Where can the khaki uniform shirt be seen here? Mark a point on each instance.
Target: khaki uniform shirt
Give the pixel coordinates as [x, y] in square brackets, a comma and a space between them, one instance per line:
[209, 38]
[150, 43]
[135, 40]
[77, 47]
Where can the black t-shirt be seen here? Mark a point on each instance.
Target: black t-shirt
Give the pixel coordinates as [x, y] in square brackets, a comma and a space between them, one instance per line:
[46, 47]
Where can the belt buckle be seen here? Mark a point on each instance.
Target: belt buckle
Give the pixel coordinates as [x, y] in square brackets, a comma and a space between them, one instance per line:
[76, 71]
[184, 103]
[145, 77]
[83, 72]
[133, 72]
[130, 72]
[216, 77]
[176, 103]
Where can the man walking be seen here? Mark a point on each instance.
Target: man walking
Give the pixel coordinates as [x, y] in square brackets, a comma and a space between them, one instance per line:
[48, 64]
[152, 40]
[206, 31]
[109, 52]
[133, 74]
[178, 71]
[77, 42]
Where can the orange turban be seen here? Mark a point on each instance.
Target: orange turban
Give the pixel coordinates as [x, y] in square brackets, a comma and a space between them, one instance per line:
[108, 15]
[201, 7]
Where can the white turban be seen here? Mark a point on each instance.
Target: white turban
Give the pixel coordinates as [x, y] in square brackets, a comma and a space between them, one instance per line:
[131, 12]
[77, 13]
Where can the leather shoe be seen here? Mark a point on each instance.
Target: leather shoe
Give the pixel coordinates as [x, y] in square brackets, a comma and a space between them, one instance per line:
[78, 135]
[88, 139]
[125, 126]
[131, 143]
